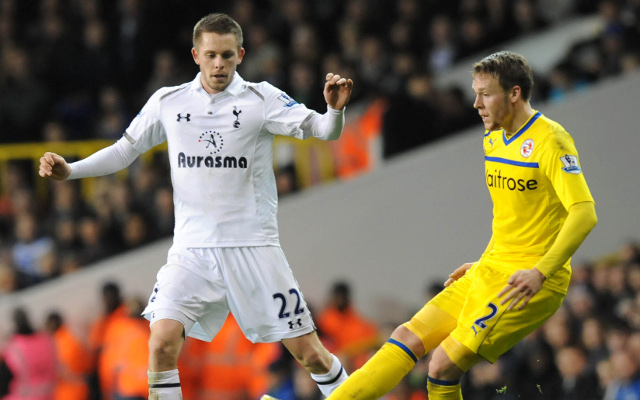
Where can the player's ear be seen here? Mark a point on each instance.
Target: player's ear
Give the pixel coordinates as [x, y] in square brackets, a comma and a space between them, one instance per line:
[194, 53]
[515, 94]
[240, 54]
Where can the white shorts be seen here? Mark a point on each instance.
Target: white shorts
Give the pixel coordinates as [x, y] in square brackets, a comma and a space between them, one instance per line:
[199, 286]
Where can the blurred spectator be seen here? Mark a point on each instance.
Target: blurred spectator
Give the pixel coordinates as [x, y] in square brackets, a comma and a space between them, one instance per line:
[527, 16]
[593, 340]
[264, 62]
[234, 361]
[135, 232]
[74, 360]
[23, 96]
[626, 374]
[344, 331]
[94, 246]
[163, 215]
[443, 48]
[125, 354]
[113, 309]
[9, 278]
[166, 72]
[411, 119]
[113, 115]
[578, 381]
[30, 247]
[54, 132]
[31, 360]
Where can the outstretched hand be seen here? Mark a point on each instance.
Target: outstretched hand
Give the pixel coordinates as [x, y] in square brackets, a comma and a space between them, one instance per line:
[337, 91]
[54, 166]
[521, 287]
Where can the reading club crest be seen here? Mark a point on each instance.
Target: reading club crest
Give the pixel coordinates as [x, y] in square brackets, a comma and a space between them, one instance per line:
[527, 148]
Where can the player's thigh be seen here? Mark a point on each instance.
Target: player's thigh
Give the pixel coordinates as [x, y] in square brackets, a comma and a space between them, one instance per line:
[439, 316]
[263, 294]
[190, 289]
[486, 327]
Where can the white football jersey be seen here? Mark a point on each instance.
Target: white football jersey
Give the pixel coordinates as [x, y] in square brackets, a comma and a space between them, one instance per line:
[221, 155]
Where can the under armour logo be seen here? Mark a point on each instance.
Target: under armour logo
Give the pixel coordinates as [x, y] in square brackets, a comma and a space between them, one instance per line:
[187, 117]
[236, 112]
[298, 322]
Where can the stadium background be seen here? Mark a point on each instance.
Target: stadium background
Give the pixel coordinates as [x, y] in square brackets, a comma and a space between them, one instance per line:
[391, 210]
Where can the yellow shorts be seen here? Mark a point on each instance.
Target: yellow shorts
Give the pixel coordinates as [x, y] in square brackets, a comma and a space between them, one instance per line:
[483, 325]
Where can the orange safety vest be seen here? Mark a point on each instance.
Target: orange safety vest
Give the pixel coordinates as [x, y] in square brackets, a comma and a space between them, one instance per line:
[353, 151]
[349, 334]
[230, 367]
[32, 360]
[73, 367]
[132, 357]
[102, 336]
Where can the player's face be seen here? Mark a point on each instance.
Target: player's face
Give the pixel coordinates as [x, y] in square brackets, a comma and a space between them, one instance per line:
[218, 57]
[492, 102]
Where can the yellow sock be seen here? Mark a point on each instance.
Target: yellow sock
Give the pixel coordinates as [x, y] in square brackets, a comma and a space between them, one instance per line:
[379, 375]
[443, 390]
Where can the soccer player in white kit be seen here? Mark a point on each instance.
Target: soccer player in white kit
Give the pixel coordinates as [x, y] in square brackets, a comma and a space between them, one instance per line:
[226, 254]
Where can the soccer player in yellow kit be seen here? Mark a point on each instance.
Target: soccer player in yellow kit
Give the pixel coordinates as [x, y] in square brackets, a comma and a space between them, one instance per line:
[542, 210]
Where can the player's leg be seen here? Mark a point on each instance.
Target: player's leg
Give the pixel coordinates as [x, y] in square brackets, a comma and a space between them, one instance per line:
[165, 343]
[448, 363]
[324, 367]
[485, 330]
[269, 306]
[398, 355]
[187, 299]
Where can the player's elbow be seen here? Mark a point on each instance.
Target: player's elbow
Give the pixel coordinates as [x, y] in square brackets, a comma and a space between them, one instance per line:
[333, 136]
[588, 214]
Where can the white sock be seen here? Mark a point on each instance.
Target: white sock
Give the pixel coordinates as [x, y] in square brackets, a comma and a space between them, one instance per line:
[164, 385]
[331, 380]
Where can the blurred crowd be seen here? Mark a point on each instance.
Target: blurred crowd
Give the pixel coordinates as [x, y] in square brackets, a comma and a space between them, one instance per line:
[81, 69]
[589, 350]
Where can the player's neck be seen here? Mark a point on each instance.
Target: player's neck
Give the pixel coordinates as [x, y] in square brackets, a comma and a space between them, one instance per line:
[520, 116]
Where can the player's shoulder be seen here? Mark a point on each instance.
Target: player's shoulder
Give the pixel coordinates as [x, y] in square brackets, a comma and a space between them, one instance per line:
[270, 94]
[550, 127]
[553, 135]
[168, 92]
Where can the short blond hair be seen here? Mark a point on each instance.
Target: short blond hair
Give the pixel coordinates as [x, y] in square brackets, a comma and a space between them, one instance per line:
[218, 23]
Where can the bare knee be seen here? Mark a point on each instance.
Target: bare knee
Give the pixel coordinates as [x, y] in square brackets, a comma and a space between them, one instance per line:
[441, 367]
[409, 339]
[165, 343]
[310, 353]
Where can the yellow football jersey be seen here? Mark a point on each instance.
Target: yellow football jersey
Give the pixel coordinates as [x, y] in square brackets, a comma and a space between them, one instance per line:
[533, 176]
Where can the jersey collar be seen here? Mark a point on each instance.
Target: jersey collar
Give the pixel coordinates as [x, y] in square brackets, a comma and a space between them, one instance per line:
[522, 130]
[234, 88]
